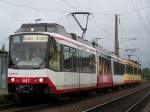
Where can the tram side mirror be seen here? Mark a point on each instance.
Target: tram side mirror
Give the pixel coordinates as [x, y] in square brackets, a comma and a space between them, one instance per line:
[51, 56]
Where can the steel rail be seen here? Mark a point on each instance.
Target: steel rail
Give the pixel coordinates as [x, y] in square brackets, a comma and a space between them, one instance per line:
[31, 108]
[16, 108]
[6, 106]
[138, 104]
[113, 100]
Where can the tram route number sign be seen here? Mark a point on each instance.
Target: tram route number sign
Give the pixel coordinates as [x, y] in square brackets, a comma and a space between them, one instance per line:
[35, 38]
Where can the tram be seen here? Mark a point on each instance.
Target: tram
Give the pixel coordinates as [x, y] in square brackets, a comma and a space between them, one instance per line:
[45, 59]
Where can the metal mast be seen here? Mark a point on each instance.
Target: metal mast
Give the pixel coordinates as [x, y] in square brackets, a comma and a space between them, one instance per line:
[116, 36]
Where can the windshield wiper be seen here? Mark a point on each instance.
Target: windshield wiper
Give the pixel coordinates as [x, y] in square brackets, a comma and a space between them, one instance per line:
[29, 67]
[16, 67]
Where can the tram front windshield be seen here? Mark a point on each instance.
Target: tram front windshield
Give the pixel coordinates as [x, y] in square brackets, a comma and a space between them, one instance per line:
[28, 50]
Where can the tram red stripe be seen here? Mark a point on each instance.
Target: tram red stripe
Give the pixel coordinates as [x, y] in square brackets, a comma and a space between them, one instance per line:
[52, 86]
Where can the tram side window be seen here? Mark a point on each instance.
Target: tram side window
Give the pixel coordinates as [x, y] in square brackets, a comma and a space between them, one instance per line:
[54, 62]
[129, 69]
[75, 60]
[86, 62]
[135, 71]
[70, 59]
[92, 63]
[116, 68]
[122, 69]
[80, 60]
[139, 71]
[104, 65]
[100, 65]
[67, 59]
[119, 69]
[132, 70]
[108, 65]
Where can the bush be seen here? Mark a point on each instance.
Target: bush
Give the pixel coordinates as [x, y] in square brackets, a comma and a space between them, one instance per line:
[146, 73]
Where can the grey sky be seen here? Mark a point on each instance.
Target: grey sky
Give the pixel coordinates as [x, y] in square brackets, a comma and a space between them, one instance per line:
[133, 24]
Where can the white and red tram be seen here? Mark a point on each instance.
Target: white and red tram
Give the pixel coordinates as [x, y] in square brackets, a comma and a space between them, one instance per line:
[44, 58]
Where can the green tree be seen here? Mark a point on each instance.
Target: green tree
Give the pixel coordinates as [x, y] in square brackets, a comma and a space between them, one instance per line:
[146, 73]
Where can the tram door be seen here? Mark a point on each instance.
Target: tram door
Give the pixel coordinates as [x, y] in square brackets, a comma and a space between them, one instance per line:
[85, 78]
[79, 65]
[71, 67]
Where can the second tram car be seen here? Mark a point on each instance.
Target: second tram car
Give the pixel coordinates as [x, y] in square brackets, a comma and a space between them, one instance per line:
[44, 58]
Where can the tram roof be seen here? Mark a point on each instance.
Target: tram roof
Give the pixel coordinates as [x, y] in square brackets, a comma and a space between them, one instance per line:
[56, 29]
[43, 27]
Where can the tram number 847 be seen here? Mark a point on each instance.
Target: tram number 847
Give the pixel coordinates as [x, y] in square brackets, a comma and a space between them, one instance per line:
[25, 80]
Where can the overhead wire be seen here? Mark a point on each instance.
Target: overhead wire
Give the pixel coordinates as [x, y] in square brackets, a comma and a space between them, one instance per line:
[16, 4]
[68, 4]
[71, 6]
[101, 28]
[140, 18]
[95, 5]
[76, 2]
[123, 13]
[96, 24]
[133, 11]
[29, 7]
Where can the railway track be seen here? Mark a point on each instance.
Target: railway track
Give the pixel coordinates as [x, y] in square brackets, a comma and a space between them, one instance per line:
[126, 103]
[25, 108]
[140, 104]
[6, 106]
[21, 107]
[25, 105]
[50, 105]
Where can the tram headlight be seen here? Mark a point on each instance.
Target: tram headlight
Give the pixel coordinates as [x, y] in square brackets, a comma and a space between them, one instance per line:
[12, 79]
[41, 79]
